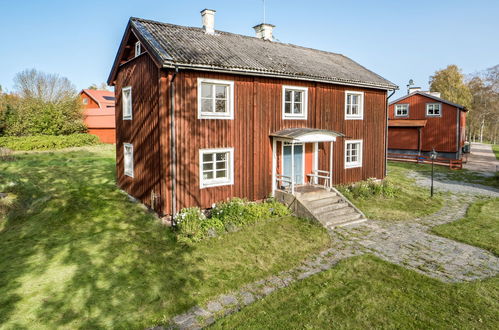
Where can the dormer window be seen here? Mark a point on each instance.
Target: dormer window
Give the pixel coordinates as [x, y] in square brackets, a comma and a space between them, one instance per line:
[138, 49]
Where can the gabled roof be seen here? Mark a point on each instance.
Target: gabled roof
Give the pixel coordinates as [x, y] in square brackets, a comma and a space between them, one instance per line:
[190, 47]
[105, 99]
[438, 99]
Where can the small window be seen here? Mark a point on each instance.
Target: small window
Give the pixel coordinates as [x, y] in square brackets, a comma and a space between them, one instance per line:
[215, 99]
[433, 109]
[128, 159]
[294, 102]
[354, 105]
[127, 103]
[401, 110]
[138, 49]
[85, 100]
[216, 167]
[353, 153]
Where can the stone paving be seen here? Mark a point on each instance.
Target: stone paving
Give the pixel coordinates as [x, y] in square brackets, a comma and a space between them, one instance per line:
[409, 244]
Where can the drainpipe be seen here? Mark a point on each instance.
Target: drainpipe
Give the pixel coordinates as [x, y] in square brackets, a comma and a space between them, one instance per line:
[173, 155]
[386, 132]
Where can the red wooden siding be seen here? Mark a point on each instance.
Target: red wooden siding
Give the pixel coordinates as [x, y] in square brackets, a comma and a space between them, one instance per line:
[106, 135]
[403, 138]
[439, 133]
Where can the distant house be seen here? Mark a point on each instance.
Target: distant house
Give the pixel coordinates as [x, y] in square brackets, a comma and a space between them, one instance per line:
[421, 121]
[204, 115]
[99, 114]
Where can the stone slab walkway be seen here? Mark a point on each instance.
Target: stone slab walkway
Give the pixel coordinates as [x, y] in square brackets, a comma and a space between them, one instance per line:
[409, 244]
[481, 158]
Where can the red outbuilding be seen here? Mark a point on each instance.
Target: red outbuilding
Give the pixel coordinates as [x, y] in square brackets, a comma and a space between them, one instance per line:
[98, 114]
[422, 121]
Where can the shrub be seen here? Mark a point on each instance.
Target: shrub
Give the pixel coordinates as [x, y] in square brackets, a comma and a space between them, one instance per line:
[369, 188]
[47, 142]
[193, 225]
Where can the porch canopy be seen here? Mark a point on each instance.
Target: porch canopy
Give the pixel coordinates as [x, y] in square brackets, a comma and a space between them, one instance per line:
[304, 135]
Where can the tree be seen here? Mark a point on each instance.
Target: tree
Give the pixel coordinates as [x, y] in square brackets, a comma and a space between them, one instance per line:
[47, 87]
[450, 83]
[103, 87]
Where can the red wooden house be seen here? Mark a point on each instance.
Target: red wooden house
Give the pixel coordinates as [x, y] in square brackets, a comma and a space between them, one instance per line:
[98, 112]
[205, 115]
[421, 121]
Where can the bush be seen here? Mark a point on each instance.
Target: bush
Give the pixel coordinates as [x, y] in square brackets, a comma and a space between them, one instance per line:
[47, 142]
[369, 188]
[193, 225]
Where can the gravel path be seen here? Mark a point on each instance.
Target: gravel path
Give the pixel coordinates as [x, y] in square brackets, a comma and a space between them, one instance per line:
[441, 183]
[482, 158]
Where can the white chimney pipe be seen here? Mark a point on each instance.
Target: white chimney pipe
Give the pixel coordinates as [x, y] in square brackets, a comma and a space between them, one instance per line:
[264, 31]
[208, 17]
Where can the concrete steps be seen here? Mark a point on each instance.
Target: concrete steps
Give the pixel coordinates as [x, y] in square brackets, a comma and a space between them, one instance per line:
[330, 208]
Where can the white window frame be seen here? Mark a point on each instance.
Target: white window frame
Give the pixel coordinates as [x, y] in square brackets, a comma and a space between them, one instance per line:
[357, 163]
[401, 104]
[208, 183]
[360, 115]
[230, 101]
[85, 100]
[439, 109]
[138, 48]
[294, 116]
[128, 115]
[128, 171]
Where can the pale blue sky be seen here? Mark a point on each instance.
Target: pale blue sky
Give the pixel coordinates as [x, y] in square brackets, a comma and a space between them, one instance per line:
[396, 39]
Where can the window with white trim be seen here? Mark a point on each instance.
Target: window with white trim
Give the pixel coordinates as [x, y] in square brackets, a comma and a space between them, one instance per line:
[401, 110]
[216, 167]
[353, 153]
[138, 48]
[294, 102]
[85, 100]
[128, 159]
[215, 99]
[433, 109]
[354, 105]
[126, 93]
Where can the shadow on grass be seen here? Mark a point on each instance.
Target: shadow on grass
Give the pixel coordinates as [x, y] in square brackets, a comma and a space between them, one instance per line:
[73, 248]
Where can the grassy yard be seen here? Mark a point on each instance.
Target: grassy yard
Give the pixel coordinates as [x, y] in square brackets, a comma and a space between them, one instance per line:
[75, 253]
[480, 227]
[410, 201]
[495, 149]
[366, 293]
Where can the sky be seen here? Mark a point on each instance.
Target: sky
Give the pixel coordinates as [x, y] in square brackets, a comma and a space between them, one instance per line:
[397, 39]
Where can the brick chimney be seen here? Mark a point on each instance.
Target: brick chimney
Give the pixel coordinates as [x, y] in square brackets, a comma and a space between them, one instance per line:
[208, 17]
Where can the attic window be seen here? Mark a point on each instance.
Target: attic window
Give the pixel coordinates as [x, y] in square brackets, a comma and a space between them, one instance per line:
[138, 49]
[85, 100]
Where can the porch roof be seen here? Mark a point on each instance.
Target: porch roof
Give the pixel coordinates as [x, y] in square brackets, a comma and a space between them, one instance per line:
[303, 134]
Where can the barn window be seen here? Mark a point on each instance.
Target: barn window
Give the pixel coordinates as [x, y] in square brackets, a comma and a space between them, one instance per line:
[127, 103]
[128, 159]
[433, 109]
[294, 103]
[215, 99]
[353, 153]
[138, 49]
[354, 105]
[85, 100]
[216, 167]
[401, 110]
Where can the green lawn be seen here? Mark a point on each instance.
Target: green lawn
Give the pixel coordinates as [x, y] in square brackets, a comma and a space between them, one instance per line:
[410, 201]
[75, 253]
[480, 227]
[495, 149]
[367, 293]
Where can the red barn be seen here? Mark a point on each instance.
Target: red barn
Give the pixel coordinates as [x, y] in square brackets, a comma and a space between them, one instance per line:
[99, 114]
[204, 115]
[421, 121]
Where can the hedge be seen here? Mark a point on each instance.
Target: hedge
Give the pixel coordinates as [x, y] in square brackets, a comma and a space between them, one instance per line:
[47, 142]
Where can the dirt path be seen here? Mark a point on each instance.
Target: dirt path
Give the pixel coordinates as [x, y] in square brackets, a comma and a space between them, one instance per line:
[482, 159]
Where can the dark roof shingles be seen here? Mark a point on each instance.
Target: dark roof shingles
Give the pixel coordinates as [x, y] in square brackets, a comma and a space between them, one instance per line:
[189, 45]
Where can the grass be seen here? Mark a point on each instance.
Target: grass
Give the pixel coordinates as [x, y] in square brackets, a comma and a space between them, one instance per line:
[368, 293]
[480, 227]
[410, 201]
[495, 149]
[76, 253]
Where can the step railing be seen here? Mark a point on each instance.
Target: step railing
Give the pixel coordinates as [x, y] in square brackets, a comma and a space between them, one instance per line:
[316, 175]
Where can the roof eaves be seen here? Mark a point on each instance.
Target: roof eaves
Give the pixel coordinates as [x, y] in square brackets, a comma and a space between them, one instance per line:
[431, 97]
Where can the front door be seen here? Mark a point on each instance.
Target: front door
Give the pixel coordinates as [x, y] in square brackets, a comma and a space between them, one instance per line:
[298, 162]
